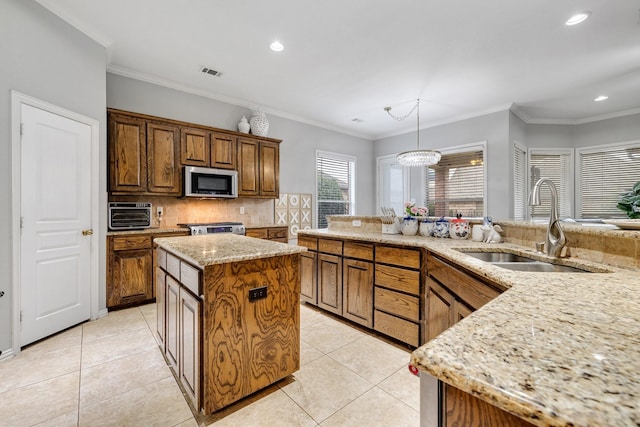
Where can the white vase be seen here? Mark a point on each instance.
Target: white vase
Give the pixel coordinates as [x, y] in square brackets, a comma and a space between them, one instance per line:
[259, 124]
[243, 125]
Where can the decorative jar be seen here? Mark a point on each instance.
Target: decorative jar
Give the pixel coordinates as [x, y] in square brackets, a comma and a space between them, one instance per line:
[409, 226]
[426, 228]
[259, 124]
[243, 125]
[441, 228]
[459, 228]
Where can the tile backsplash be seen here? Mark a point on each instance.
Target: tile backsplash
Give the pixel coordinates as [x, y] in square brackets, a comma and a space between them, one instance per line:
[178, 210]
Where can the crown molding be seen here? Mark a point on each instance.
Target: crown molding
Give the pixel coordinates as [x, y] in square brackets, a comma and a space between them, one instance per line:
[89, 31]
[518, 111]
[159, 81]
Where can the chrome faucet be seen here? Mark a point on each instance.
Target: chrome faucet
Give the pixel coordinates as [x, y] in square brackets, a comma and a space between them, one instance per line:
[555, 237]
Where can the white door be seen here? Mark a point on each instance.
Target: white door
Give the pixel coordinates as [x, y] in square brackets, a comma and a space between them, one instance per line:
[55, 270]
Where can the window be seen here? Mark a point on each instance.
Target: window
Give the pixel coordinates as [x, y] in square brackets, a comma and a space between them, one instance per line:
[457, 183]
[604, 173]
[392, 184]
[335, 185]
[520, 192]
[556, 165]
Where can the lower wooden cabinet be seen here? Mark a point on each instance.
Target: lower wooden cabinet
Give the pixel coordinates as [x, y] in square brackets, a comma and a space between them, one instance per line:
[189, 345]
[161, 291]
[275, 234]
[130, 268]
[172, 304]
[357, 291]
[330, 283]
[308, 277]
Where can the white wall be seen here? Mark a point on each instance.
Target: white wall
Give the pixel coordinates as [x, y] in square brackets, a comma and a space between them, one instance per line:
[299, 141]
[493, 128]
[44, 57]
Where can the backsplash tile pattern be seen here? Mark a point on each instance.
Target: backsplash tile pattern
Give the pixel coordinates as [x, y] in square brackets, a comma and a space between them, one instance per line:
[187, 210]
[294, 211]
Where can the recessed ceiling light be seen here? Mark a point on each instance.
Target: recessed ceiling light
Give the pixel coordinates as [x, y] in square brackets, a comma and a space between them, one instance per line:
[276, 46]
[577, 18]
[601, 98]
[357, 120]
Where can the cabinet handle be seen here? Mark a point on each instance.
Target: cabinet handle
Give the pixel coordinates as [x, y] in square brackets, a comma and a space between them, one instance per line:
[87, 232]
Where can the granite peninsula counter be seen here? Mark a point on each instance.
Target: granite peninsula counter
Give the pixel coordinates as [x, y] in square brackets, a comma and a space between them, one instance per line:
[560, 349]
[228, 314]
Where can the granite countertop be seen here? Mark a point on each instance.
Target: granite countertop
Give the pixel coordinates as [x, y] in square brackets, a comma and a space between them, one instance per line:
[209, 249]
[152, 230]
[559, 349]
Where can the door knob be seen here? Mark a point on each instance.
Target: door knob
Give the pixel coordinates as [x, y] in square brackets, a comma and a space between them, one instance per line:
[88, 232]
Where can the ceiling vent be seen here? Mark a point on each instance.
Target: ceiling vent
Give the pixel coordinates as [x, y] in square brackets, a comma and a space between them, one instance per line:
[211, 71]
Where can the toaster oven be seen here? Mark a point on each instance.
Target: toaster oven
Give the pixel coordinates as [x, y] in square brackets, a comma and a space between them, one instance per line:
[129, 215]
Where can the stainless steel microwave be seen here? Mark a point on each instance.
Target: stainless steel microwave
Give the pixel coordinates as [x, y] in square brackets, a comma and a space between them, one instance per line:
[210, 182]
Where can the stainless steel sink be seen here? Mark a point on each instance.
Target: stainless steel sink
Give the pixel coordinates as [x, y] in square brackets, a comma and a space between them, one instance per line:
[499, 257]
[540, 267]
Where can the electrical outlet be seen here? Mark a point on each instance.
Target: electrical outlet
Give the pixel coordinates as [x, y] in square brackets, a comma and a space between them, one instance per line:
[160, 210]
[257, 293]
[241, 210]
[356, 223]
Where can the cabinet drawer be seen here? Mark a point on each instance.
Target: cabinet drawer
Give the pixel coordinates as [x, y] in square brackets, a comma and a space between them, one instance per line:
[359, 250]
[124, 243]
[190, 278]
[328, 246]
[398, 279]
[470, 290]
[398, 256]
[258, 233]
[395, 327]
[310, 243]
[162, 258]
[173, 266]
[278, 233]
[399, 304]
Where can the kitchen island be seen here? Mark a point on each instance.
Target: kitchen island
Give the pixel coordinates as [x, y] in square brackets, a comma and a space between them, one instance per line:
[228, 314]
[560, 349]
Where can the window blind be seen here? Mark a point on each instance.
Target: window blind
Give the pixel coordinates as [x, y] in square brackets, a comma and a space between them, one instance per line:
[335, 186]
[557, 167]
[519, 182]
[456, 185]
[604, 174]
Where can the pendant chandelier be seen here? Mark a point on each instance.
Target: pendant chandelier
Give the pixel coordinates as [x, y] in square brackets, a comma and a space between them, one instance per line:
[415, 157]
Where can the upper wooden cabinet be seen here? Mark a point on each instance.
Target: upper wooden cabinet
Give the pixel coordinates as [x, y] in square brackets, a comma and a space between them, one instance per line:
[258, 168]
[223, 151]
[147, 153]
[143, 156]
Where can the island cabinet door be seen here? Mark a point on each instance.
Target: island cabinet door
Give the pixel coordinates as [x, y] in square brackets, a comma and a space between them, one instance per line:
[330, 283]
[161, 288]
[189, 345]
[308, 277]
[357, 296]
[173, 332]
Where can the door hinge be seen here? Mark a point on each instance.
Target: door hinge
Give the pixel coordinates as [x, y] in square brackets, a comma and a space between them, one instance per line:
[21, 129]
[21, 223]
[20, 316]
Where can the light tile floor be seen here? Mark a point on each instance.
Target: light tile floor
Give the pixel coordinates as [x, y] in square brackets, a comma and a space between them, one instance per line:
[110, 372]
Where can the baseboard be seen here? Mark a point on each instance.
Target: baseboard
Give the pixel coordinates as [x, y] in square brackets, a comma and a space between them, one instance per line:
[102, 313]
[6, 354]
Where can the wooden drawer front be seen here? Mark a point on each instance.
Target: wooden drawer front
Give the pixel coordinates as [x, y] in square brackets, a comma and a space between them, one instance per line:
[173, 266]
[162, 258]
[278, 233]
[359, 250]
[258, 233]
[395, 327]
[398, 278]
[310, 243]
[470, 290]
[124, 243]
[399, 304]
[330, 246]
[398, 256]
[190, 277]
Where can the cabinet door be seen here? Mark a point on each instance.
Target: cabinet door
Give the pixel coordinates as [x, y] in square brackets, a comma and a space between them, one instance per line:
[161, 326]
[440, 309]
[248, 172]
[162, 153]
[269, 169]
[127, 154]
[330, 283]
[189, 342]
[130, 280]
[308, 276]
[194, 147]
[172, 296]
[223, 151]
[357, 295]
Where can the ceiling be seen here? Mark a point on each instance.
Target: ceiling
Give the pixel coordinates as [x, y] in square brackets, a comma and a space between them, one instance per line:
[346, 60]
